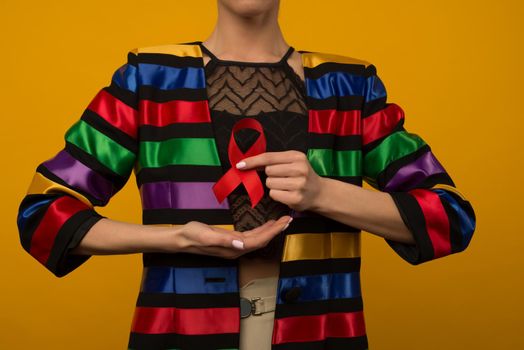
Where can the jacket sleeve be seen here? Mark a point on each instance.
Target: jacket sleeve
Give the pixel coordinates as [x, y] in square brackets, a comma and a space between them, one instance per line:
[95, 163]
[402, 164]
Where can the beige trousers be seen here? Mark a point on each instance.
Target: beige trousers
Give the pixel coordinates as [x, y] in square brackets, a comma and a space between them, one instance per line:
[256, 330]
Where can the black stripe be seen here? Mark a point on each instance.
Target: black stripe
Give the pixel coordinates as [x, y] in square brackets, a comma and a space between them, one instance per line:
[162, 133]
[413, 217]
[170, 60]
[332, 67]
[125, 96]
[341, 103]
[132, 58]
[470, 212]
[315, 223]
[334, 142]
[312, 223]
[68, 237]
[350, 343]
[319, 307]
[204, 173]
[182, 216]
[180, 172]
[373, 106]
[455, 235]
[139, 341]
[186, 260]
[319, 266]
[438, 178]
[193, 301]
[148, 92]
[106, 128]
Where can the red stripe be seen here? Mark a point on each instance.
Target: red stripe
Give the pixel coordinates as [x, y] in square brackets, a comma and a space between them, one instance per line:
[156, 320]
[381, 123]
[332, 121]
[55, 216]
[437, 222]
[116, 112]
[177, 111]
[315, 328]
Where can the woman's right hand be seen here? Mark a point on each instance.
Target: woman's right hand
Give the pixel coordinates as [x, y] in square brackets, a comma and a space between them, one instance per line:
[199, 238]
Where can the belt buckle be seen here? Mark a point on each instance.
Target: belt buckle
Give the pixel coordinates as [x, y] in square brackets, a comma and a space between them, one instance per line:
[248, 307]
[254, 307]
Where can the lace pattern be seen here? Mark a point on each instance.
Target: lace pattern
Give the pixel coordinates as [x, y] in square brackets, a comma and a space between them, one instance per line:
[273, 94]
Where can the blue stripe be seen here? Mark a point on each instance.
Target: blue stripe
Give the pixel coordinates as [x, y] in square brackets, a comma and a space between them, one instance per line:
[167, 78]
[335, 84]
[25, 213]
[467, 223]
[322, 287]
[189, 280]
[374, 88]
[125, 77]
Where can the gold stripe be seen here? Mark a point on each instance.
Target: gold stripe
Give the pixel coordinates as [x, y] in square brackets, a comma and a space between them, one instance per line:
[173, 49]
[451, 189]
[301, 246]
[42, 185]
[313, 59]
[309, 59]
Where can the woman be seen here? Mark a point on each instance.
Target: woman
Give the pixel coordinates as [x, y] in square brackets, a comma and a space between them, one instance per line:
[282, 135]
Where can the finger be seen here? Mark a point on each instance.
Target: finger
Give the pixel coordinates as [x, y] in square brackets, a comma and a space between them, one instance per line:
[264, 226]
[266, 158]
[286, 197]
[258, 228]
[285, 169]
[219, 237]
[259, 240]
[285, 183]
[225, 231]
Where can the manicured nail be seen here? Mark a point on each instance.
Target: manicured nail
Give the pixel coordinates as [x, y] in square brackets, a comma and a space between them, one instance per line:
[238, 244]
[290, 219]
[241, 164]
[285, 227]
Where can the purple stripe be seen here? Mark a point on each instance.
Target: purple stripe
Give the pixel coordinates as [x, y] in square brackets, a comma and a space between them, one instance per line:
[413, 173]
[180, 195]
[79, 177]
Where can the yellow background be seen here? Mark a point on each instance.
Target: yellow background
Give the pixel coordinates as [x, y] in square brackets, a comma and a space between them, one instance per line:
[454, 66]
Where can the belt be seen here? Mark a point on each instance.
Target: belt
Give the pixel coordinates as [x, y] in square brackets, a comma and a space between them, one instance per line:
[256, 306]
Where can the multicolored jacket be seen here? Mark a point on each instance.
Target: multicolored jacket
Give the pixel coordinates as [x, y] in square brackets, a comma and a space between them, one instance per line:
[153, 119]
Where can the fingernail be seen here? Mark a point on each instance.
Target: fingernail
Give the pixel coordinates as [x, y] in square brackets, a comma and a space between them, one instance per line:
[285, 227]
[290, 219]
[238, 244]
[241, 164]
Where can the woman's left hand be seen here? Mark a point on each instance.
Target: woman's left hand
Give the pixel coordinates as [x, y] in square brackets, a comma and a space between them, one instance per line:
[290, 177]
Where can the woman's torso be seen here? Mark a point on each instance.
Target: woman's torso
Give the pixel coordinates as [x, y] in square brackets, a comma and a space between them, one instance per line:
[273, 94]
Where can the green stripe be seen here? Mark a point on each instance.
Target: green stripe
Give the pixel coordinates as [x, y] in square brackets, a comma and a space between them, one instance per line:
[178, 151]
[329, 162]
[392, 148]
[100, 146]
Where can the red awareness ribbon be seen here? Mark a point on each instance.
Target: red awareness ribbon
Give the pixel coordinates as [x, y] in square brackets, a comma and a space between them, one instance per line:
[249, 177]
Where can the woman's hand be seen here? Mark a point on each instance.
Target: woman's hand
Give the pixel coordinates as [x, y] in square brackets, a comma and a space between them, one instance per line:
[199, 238]
[291, 179]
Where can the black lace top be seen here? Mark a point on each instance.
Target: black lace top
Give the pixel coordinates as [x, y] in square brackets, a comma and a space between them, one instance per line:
[273, 94]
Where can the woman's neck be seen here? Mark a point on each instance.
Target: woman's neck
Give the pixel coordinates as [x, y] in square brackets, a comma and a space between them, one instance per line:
[247, 38]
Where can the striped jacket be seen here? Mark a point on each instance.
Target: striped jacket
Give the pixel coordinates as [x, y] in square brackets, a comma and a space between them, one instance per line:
[153, 119]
